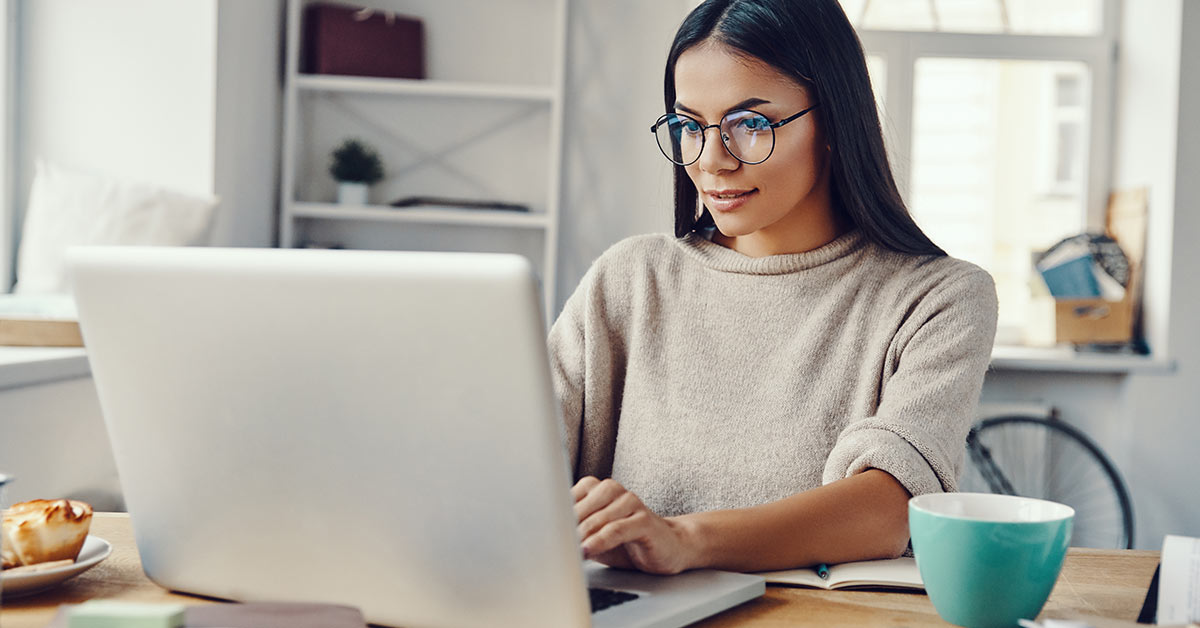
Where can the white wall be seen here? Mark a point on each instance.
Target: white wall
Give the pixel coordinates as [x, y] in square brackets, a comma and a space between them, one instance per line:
[53, 443]
[616, 182]
[1147, 94]
[182, 94]
[8, 99]
[122, 88]
[248, 119]
[1163, 411]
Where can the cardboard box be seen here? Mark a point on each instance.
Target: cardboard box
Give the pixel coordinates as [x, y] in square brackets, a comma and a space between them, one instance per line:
[1097, 321]
[357, 41]
[1088, 321]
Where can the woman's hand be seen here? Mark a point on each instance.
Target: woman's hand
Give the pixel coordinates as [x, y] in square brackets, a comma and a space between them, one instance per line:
[620, 531]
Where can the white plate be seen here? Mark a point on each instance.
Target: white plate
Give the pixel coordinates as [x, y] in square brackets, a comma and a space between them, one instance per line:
[95, 549]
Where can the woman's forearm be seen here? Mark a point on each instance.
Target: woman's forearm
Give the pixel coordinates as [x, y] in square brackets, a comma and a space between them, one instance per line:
[858, 518]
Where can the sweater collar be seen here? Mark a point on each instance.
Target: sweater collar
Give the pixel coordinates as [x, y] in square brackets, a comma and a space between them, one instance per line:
[717, 257]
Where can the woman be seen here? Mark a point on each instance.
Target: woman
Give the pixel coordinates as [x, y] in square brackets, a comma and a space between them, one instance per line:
[768, 388]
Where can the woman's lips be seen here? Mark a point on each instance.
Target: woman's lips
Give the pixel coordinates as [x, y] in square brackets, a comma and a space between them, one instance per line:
[727, 200]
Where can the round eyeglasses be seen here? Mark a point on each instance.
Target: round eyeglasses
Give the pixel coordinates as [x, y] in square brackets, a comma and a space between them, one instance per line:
[748, 135]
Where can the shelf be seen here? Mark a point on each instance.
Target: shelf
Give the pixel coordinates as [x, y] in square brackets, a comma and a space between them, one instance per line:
[1066, 360]
[421, 87]
[520, 95]
[422, 214]
[30, 366]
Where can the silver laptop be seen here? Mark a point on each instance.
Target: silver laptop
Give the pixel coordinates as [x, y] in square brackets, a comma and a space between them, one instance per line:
[376, 429]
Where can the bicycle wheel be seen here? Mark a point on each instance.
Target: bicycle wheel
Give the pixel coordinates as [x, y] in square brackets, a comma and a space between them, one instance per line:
[1045, 458]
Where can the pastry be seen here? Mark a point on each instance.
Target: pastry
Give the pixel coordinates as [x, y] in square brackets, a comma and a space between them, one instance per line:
[44, 530]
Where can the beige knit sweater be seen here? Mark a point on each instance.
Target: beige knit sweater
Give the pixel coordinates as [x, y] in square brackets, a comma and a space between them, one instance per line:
[704, 379]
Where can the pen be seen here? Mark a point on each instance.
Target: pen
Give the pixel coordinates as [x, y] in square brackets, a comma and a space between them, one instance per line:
[822, 571]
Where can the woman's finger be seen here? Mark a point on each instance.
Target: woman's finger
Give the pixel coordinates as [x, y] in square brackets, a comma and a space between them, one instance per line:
[624, 505]
[614, 534]
[618, 558]
[598, 497]
[581, 488]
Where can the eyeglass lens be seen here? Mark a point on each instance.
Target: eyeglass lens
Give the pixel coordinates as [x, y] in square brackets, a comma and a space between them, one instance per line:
[748, 136]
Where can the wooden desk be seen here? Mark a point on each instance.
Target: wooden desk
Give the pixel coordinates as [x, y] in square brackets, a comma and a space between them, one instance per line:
[1093, 584]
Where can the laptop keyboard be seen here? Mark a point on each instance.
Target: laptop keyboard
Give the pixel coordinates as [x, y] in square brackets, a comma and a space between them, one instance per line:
[604, 598]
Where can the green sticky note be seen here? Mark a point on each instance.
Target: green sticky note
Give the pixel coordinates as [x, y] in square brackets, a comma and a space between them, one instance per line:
[114, 614]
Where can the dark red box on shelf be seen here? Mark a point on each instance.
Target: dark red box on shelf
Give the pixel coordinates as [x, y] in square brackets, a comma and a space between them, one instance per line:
[358, 41]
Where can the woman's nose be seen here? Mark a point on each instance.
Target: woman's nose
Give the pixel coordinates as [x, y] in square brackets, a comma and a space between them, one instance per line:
[715, 156]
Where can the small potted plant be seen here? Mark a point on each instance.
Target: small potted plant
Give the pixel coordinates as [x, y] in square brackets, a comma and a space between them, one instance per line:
[355, 167]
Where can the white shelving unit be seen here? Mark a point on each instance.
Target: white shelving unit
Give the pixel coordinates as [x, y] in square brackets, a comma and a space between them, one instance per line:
[426, 215]
[479, 128]
[434, 89]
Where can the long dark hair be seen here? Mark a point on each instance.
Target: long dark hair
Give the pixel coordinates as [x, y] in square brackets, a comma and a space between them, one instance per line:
[812, 42]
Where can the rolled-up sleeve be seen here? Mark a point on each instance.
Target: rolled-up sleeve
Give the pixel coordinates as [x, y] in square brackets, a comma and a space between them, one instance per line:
[929, 390]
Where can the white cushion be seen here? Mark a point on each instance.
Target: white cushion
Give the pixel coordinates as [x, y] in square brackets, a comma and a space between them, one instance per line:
[69, 208]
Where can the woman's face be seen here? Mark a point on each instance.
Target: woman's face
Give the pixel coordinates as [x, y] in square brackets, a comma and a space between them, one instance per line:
[782, 204]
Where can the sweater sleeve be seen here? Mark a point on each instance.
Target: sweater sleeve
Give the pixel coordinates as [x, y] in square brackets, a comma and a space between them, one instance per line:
[568, 345]
[587, 367]
[927, 404]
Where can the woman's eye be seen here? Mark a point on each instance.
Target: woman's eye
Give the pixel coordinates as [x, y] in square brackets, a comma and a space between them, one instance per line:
[691, 127]
[755, 124]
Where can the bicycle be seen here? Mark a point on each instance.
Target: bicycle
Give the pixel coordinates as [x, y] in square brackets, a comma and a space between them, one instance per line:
[1043, 457]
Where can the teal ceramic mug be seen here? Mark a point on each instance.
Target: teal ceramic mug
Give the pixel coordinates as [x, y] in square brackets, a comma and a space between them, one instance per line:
[988, 560]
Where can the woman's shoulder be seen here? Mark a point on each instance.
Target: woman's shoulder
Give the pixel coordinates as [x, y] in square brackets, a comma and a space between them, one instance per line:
[634, 252]
[622, 274]
[639, 245]
[941, 274]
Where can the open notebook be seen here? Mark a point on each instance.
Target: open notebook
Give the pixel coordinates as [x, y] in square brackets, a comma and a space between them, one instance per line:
[897, 573]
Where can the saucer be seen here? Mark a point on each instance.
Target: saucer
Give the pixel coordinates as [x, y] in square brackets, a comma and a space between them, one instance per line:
[95, 549]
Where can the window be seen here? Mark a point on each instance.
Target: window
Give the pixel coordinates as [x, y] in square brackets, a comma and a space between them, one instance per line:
[1025, 17]
[996, 115]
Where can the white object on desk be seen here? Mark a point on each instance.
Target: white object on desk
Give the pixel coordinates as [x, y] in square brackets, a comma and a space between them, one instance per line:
[1179, 580]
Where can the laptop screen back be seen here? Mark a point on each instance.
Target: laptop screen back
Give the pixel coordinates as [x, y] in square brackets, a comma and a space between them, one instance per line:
[368, 428]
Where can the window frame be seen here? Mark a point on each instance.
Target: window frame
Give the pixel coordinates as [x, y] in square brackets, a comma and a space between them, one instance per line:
[901, 49]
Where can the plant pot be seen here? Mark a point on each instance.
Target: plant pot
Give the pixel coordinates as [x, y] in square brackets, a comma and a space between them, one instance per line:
[352, 193]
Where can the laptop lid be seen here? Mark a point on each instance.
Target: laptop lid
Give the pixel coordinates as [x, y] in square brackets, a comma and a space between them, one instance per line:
[368, 428]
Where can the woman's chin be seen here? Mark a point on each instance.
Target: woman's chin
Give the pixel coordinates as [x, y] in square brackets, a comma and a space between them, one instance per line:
[733, 228]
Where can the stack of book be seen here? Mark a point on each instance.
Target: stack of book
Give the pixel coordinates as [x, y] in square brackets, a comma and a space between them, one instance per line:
[39, 321]
[1072, 269]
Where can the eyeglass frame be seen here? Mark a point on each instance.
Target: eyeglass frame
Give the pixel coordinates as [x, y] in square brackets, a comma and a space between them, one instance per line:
[717, 126]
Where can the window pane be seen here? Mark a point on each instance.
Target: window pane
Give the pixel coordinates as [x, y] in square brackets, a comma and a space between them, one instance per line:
[877, 69]
[1067, 166]
[906, 15]
[1025, 17]
[1068, 90]
[998, 167]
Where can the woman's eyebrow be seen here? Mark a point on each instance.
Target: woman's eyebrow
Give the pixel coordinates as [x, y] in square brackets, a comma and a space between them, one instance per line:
[749, 102]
